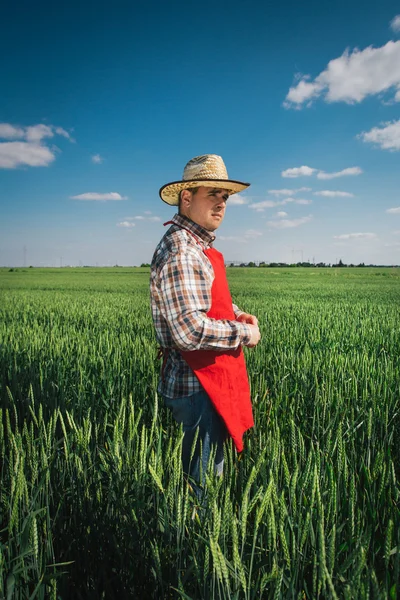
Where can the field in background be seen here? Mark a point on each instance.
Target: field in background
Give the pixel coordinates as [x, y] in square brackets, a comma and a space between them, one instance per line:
[92, 499]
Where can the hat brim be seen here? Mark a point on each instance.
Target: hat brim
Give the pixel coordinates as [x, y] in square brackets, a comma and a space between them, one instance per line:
[169, 193]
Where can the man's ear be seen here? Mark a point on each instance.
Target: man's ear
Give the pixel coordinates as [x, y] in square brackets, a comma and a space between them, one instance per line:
[186, 197]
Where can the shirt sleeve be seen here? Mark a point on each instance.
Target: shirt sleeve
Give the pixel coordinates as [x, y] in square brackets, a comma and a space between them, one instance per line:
[185, 289]
[237, 310]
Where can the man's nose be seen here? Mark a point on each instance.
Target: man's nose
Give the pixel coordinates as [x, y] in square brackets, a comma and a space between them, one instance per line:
[222, 201]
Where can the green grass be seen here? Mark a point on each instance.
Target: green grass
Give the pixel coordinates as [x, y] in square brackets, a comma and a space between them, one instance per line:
[93, 503]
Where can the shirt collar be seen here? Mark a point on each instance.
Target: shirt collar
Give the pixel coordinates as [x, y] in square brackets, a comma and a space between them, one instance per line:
[206, 236]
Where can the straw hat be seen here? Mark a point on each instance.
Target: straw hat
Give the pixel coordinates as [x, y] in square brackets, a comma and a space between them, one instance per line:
[208, 170]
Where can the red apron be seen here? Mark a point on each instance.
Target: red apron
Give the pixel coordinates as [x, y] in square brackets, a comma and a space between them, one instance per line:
[223, 374]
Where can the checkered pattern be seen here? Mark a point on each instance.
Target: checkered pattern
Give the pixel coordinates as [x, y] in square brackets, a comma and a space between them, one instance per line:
[180, 286]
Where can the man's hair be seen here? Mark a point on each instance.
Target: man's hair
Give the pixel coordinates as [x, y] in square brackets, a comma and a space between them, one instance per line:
[194, 190]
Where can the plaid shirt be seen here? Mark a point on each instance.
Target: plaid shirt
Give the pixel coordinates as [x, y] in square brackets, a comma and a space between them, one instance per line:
[180, 287]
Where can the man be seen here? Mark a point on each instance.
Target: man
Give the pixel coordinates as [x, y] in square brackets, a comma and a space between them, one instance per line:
[201, 333]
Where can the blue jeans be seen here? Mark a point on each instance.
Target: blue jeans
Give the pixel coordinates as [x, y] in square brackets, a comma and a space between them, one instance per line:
[197, 411]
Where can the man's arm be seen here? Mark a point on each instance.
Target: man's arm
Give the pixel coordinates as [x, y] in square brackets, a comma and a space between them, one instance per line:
[186, 292]
[243, 317]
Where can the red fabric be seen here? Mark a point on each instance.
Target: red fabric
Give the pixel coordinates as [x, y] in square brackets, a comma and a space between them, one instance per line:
[223, 375]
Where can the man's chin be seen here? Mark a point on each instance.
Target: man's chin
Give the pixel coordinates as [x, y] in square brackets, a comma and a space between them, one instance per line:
[214, 224]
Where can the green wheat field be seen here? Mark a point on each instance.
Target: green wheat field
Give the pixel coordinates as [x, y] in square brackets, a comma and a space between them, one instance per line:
[93, 503]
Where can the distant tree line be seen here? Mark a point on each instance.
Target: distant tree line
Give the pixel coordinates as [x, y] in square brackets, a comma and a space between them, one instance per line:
[275, 265]
[261, 264]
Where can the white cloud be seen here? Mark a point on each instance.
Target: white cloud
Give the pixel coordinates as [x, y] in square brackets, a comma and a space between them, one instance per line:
[10, 132]
[16, 154]
[355, 236]
[394, 211]
[126, 224]
[97, 159]
[286, 192]
[264, 204]
[141, 218]
[36, 133]
[298, 172]
[308, 171]
[392, 245]
[281, 214]
[302, 92]
[252, 233]
[147, 212]
[287, 223]
[283, 192]
[294, 201]
[61, 131]
[387, 137]
[334, 194]
[32, 133]
[395, 24]
[99, 197]
[29, 150]
[260, 206]
[343, 173]
[351, 77]
[237, 199]
[287, 201]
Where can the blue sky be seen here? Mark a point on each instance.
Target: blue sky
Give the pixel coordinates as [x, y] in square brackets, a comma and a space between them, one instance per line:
[102, 105]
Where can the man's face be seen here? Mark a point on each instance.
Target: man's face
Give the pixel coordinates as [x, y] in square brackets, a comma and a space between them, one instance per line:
[206, 207]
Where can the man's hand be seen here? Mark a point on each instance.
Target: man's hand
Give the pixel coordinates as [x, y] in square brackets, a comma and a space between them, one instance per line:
[255, 336]
[255, 332]
[246, 318]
